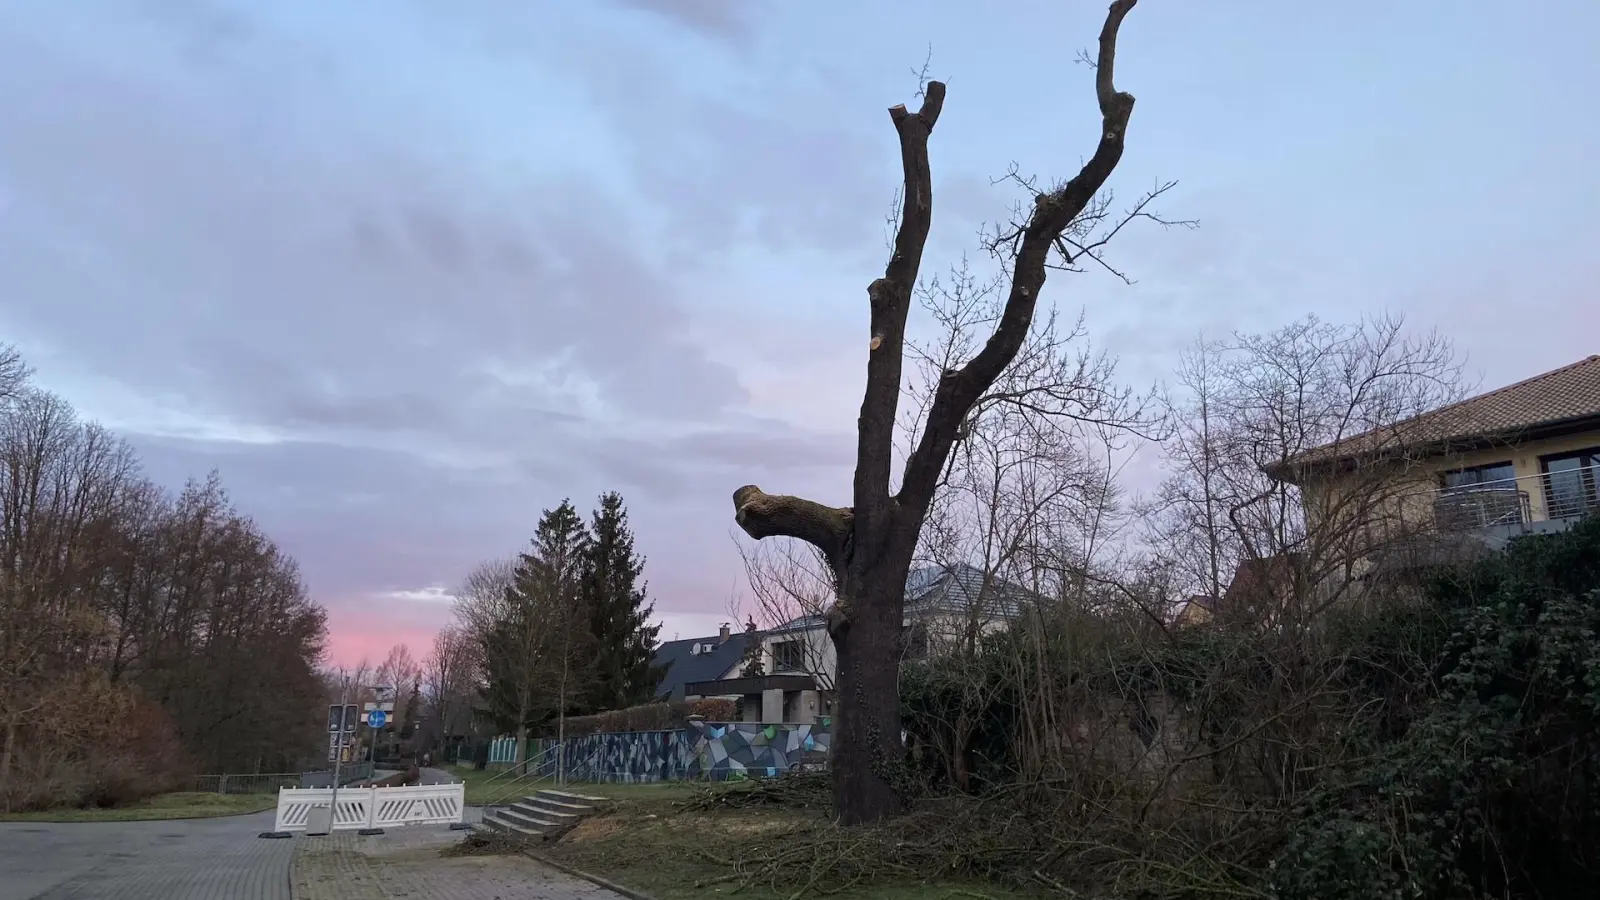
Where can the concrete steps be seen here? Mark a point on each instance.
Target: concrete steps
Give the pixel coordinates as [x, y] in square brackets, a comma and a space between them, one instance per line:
[545, 815]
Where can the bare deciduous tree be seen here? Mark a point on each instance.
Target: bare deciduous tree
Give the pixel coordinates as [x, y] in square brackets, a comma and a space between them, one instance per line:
[869, 545]
[112, 590]
[481, 600]
[791, 590]
[447, 684]
[1243, 487]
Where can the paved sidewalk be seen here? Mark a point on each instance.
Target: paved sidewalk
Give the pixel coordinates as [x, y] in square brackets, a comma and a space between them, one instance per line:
[405, 863]
[194, 859]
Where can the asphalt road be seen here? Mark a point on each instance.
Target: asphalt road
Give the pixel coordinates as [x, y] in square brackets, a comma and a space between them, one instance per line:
[185, 859]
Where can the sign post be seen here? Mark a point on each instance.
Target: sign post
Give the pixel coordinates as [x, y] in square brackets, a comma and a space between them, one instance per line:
[342, 719]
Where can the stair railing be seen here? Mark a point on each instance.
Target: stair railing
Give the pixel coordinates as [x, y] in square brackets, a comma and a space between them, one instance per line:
[530, 769]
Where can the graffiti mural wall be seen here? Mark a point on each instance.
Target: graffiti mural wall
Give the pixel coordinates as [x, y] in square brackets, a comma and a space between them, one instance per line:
[628, 757]
[715, 751]
[725, 750]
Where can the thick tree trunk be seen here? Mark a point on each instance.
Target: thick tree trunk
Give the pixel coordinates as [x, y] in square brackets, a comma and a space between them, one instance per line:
[867, 746]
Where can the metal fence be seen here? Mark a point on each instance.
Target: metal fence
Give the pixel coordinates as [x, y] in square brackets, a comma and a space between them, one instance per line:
[271, 783]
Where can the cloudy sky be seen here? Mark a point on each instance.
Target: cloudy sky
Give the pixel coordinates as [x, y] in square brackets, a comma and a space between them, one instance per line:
[409, 271]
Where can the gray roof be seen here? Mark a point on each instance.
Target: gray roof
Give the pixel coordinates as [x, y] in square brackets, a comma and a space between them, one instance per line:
[955, 588]
[961, 588]
[683, 665]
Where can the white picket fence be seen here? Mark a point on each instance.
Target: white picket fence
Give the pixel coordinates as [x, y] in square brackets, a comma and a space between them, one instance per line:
[376, 807]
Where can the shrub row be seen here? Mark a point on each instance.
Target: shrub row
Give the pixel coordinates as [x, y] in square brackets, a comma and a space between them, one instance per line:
[647, 717]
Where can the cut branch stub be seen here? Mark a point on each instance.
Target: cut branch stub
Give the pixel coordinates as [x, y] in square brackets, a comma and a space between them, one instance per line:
[764, 515]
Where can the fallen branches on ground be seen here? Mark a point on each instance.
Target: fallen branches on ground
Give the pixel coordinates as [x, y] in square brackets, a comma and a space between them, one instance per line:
[796, 791]
[488, 843]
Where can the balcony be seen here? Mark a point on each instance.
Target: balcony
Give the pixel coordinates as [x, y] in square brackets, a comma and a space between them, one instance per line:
[1550, 501]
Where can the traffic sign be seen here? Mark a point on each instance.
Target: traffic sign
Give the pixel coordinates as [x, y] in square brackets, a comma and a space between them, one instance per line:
[377, 718]
[343, 718]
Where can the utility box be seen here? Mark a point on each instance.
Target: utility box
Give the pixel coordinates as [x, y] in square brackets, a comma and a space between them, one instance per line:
[319, 820]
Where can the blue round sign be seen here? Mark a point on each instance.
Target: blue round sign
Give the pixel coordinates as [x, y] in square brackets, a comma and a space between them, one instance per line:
[376, 718]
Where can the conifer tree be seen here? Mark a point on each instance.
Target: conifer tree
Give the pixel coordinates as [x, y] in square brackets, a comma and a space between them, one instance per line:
[619, 611]
[540, 656]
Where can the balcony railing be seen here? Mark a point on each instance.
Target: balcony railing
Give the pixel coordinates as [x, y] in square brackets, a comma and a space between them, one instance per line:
[1561, 495]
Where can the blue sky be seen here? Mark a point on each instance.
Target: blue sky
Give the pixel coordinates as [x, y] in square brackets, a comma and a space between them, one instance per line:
[407, 272]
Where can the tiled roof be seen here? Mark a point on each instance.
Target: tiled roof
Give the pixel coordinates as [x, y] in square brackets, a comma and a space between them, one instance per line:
[1564, 394]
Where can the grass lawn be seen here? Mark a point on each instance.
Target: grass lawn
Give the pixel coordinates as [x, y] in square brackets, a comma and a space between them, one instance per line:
[650, 842]
[182, 805]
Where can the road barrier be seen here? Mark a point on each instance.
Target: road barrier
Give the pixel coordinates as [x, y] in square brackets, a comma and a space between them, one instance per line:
[373, 808]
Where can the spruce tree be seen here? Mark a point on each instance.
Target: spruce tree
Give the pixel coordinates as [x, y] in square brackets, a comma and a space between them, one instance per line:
[619, 611]
[539, 657]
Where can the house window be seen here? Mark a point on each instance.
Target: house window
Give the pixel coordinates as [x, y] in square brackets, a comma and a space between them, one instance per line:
[1479, 496]
[788, 656]
[1494, 475]
[1570, 483]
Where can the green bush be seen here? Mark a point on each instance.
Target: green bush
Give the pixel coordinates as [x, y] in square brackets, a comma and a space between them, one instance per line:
[1493, 789]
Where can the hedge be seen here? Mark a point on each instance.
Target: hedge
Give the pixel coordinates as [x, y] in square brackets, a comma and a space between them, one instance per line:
[648, 717]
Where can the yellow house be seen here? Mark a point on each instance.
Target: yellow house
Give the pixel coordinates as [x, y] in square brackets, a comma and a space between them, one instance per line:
[1524, 458]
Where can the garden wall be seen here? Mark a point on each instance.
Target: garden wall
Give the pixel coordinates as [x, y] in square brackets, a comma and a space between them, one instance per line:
[712, 751]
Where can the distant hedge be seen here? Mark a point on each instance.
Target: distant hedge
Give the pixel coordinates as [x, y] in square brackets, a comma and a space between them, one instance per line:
[648, 717]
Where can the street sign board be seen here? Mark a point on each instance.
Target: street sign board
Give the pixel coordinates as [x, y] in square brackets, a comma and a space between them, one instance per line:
[377, 718]
[343, 718]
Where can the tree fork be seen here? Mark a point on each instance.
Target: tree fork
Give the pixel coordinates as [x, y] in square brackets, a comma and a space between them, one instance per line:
[869, 545]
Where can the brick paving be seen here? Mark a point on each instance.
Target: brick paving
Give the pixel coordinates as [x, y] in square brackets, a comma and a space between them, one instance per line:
[405, 863]
[223, 859]
[197, 859]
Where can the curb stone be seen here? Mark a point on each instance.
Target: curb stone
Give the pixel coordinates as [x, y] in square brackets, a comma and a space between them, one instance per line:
[596, 880]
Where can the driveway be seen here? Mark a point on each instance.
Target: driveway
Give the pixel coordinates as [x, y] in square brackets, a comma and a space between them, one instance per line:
[180, 859]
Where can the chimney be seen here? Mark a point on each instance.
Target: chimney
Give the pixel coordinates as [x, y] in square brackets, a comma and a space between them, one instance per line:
[724, 633]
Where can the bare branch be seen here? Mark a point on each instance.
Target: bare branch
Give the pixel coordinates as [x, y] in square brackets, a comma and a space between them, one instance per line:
[1053, 213]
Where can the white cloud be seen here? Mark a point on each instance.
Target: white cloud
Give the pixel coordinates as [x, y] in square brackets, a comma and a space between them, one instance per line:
[433, 593]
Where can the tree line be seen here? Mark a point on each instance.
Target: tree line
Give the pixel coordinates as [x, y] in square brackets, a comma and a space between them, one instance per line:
[562, 629]
[144, 635]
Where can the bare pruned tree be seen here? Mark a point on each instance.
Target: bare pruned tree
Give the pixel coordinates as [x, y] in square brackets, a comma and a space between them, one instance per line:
[869, 545]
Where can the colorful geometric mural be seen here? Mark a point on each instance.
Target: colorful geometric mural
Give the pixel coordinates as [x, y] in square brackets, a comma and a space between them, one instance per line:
[726, 750]
[627, 757]
[715, 751]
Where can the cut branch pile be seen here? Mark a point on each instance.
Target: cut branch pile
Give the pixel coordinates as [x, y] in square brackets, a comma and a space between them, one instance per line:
[797, 791]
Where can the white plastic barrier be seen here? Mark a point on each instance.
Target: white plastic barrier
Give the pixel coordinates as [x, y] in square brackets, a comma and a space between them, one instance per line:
[377, 807]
